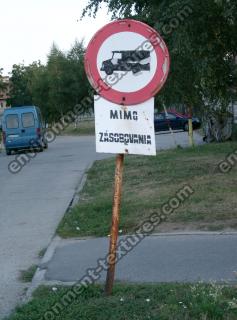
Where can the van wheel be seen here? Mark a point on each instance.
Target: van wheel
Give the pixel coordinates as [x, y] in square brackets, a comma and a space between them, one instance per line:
[8, 152]
[41, 145]
[46, 145]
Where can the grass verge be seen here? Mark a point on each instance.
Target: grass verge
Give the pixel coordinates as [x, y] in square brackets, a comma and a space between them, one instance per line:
[27, 275]
[135, 302]
[84, 128]
[149, 182]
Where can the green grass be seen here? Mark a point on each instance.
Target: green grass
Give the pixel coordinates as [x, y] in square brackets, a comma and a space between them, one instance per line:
[84, 128]
[137, 302]
[27, 275]
[150, 182]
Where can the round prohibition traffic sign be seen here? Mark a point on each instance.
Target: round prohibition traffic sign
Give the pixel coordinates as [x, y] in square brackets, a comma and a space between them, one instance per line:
[127, 62]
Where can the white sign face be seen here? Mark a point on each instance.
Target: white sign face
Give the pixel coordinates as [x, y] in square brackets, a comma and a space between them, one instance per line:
[124, 129]
[128, 57]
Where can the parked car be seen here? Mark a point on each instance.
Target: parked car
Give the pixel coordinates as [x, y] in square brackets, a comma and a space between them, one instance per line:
[174, 121]
[23, 128]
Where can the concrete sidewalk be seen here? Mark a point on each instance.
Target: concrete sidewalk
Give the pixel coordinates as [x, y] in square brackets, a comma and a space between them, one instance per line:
[165, 140]
[159, 258]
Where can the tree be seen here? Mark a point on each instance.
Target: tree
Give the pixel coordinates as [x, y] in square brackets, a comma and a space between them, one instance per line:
[20, 93]
[38, 85]
[2, 84]
[55, 87]
[79, 86]
[202, 41]
[56, 69]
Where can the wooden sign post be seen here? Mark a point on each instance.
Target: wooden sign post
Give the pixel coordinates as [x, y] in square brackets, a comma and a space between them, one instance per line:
[115, 223]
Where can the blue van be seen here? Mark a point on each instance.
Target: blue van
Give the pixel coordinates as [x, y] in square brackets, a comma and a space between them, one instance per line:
[23, 128]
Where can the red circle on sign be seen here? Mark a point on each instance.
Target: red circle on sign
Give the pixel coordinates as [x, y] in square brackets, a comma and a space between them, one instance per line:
[101, 84]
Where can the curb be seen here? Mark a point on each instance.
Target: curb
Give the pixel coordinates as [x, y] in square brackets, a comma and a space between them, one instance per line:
[41, 270]
[161, 234]
[194, 233]
[80, 186]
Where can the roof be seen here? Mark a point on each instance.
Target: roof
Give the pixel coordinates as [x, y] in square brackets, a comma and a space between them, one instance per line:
[23, 107]
[19, 109]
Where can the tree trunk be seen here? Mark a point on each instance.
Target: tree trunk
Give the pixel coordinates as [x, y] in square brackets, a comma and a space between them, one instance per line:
[218, 127]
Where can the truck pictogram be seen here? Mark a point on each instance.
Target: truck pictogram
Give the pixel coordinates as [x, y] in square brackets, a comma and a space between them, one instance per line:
[129, 60]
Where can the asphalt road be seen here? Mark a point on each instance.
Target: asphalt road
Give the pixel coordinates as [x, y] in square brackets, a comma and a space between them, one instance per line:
[163, 258]
[33, 201]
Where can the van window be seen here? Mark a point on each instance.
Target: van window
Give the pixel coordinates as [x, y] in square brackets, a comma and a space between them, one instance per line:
[28, 120]
[12, 121]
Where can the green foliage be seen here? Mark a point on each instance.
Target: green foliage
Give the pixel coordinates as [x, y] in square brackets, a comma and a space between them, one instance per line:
[201, 37]
[19, 93]
[1, 81]
[84, 128]
[2, 84]
[55, 87]
[134, 302]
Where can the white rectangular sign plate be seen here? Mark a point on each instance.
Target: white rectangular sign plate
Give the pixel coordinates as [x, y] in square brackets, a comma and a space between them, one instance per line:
[124, 129]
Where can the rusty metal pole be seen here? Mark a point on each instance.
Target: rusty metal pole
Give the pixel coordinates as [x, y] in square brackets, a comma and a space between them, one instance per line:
[115, 224]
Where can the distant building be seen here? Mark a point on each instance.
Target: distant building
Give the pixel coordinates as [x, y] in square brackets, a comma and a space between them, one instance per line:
[4, 93]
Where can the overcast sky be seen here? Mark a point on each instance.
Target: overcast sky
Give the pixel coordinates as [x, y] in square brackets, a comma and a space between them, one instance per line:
[29, 27]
